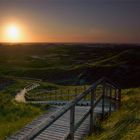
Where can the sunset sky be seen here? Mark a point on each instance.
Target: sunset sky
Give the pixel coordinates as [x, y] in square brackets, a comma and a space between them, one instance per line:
[112, 21]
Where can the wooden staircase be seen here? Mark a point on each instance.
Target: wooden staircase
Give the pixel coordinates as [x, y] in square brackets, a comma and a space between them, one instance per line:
[72, 121]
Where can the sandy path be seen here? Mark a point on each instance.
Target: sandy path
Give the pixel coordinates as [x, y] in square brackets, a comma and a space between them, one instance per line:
[20, 97]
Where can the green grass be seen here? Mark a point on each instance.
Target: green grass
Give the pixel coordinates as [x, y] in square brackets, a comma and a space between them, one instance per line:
[14, 116]
[123, 124]
[55, 91]
[64, 63]
[67, 65]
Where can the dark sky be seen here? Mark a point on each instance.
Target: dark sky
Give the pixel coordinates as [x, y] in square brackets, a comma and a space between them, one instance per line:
[74, 20]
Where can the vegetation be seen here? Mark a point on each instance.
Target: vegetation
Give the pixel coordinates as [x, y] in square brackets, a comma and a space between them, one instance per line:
[55, 92]
[62, 67]
[72, 64]
[14, 115]
[123, 124]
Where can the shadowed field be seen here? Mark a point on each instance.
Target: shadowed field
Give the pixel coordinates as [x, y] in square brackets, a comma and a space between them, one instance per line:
[72, 64]
[63, 67]
[123, 124]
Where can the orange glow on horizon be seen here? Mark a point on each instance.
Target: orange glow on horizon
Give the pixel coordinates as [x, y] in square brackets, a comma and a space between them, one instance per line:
[14, 33]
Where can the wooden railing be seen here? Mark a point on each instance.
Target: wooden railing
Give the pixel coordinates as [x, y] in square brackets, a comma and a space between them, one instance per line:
[109, 89]
[66, 94]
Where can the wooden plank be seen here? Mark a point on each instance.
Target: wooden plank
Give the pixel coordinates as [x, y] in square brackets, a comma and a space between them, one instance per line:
[74, 121]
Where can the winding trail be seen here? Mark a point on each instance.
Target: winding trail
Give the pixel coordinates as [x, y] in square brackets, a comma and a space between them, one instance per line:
[20, 97]
[71, 121]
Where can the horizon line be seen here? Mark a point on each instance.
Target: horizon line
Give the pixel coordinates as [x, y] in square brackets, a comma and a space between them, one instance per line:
[44, 42]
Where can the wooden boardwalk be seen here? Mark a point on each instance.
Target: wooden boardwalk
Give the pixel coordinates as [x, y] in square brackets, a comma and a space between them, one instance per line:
[59, 130]
[72, 121]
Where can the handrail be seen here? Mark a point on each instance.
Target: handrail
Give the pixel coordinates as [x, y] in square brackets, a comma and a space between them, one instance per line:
[71, 106]
[84, 117]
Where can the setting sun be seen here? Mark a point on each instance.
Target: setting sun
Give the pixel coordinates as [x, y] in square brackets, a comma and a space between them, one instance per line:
[12, 33]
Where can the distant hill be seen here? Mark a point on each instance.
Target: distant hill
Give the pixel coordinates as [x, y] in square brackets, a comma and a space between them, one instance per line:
[123, 124]
[72, 63]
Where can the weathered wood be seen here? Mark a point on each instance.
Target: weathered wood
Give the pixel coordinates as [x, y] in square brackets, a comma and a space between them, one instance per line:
[78, 119]
[91, 111]
[55, 95]
[75, 92]
[120, 95]
[68, 94]
[63, 125]
[78, 124]
[103, 102]
[72, 121]
[115, 94]
[110, 95]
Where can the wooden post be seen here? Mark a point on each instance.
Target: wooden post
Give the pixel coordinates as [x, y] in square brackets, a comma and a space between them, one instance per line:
[61, 94]
[95, 95]
[84, 87]
[72, 122]
[49, 95]
[91, 111]
[55, 95]
[75, 92]
[103, 100]
[68, 94]
[106, 91]
[119, 92]
[115, 94]
[110, 96]
[119, 99]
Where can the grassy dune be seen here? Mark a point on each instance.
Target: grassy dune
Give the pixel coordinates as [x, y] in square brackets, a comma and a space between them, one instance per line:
[68, 64]
[123, 124]
[71, 65]
[14, 116]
